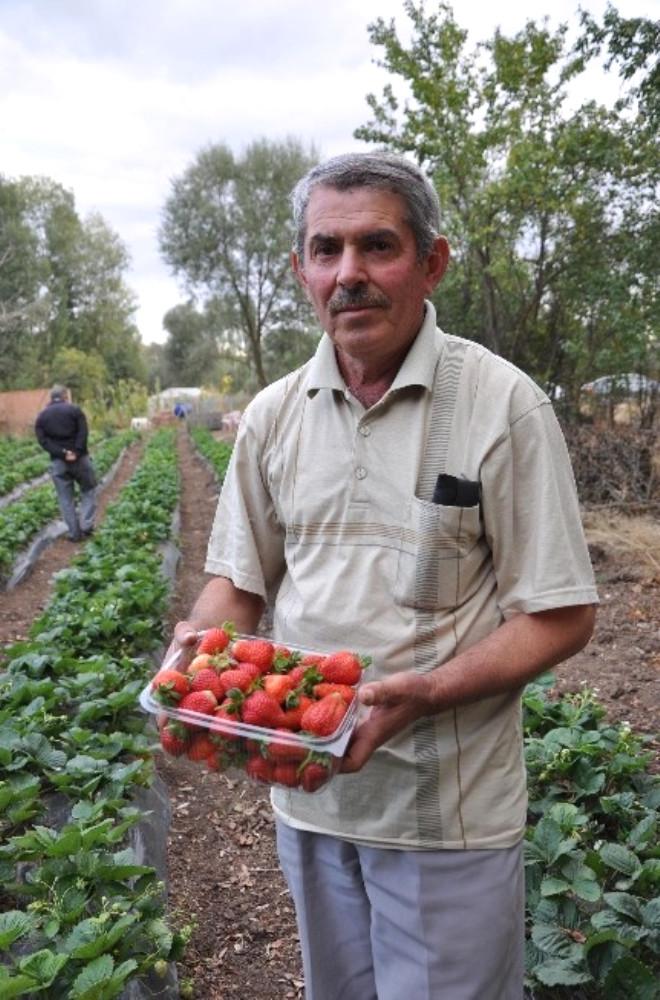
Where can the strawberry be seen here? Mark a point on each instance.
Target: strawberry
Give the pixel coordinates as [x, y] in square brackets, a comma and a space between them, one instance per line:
[169, 686]
[279, 750]
[258, 768]
[294, 707]
[203, 702]
[313, 776]
[201, 746]
[284, 660]
[343, 667]
[208, 680]
[229, 713]
[325, 687]
[279, 685]
[286, 773]
[261, 709]
[323, 717]
[174, 738]
[305, 677]
[241, 677]
[204, 661]
[258, 651]
[216, 640]
[312, 660]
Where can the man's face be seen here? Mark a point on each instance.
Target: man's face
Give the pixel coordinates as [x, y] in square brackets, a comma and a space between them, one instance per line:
[362, 274]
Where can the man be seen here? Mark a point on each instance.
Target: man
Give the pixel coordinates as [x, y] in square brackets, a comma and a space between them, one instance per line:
[407, 494]
[61, 429]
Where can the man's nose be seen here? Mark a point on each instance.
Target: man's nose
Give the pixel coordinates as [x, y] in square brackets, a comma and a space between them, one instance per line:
[351, 269]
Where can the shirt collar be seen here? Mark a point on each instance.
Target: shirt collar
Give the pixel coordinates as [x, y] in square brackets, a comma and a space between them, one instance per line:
[418, 367]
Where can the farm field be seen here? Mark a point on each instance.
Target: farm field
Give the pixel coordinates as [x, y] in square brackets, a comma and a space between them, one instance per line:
[223, 872]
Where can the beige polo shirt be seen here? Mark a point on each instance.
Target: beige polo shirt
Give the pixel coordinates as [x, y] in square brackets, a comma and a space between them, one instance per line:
[326, 511]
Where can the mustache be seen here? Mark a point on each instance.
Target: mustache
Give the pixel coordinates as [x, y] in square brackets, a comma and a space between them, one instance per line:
[357, 298]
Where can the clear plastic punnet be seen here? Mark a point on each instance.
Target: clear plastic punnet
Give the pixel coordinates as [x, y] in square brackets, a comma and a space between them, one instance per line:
[278, 714]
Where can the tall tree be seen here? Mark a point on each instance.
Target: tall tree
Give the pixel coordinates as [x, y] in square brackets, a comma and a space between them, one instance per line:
[226, 231]
[550, 212]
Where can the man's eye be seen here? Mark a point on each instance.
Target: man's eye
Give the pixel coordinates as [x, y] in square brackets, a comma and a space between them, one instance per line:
[325, 249]
[380, 245]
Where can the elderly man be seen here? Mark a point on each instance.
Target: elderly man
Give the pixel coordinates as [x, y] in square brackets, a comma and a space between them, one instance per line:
[406, 493]
[61, 429]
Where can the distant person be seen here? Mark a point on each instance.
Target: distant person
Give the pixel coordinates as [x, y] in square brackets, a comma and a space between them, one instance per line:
[180, 411]
[61, 429]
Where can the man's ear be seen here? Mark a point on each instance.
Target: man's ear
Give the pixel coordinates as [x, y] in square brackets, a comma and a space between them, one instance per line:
[437, 262]
[298, 269]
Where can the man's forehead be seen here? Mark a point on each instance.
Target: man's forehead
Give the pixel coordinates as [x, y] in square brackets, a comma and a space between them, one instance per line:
[331, 210]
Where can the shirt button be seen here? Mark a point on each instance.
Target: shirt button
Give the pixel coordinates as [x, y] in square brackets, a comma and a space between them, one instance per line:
[360, 472]
[365, 430]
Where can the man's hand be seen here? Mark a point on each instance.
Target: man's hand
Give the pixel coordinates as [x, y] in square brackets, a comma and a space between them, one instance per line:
[395, 704]
[70, 456]
[185, 638]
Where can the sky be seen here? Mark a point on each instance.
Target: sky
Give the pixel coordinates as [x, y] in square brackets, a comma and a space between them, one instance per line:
[113, 99]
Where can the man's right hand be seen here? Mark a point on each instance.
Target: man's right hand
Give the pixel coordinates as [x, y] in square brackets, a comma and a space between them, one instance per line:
[185, 638]
[70, 456]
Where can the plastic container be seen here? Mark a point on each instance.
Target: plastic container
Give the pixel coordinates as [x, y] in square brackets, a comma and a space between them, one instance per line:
[275, 756]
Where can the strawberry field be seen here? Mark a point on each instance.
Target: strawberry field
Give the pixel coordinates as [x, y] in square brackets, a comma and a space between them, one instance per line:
[95, 903]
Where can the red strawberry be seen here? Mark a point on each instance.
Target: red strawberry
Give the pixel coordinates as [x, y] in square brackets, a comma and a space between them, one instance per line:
[259, 768]
[343, 667]
[279, 750]
[294, 707]
[312, 659]
[201, 747]
[325, 688]
[279, 685]
[284, 660]
[323, 717]
[169, 686]
[229, 713]
[241, 677]
[215, 640]
[261, 709]
[286, 773]
[313, 776]
[174, 738]
[199, 701]
[204, 661]
[258, 651]
[305, 677]
[208, 680]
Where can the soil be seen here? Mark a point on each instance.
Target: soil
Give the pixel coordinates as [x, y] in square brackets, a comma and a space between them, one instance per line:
[223, 872]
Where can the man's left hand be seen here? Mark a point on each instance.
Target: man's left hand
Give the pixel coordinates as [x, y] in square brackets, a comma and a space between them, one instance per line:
[395, 704]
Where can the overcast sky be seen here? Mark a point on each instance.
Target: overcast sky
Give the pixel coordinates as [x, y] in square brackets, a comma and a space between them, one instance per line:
[114, 98]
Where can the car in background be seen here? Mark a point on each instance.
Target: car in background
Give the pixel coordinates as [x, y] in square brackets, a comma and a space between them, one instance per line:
[624, 384]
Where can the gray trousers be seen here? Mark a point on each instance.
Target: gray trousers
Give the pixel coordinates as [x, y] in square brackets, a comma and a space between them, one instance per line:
[380, 924]
[65, 476]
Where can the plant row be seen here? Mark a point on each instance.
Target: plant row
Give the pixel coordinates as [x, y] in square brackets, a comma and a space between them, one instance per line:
[217, 453]
[20, 521]
[80, 915]
[592, 853]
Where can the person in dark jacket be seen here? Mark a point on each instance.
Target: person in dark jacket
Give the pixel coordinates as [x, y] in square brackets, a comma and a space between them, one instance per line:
[61, 429]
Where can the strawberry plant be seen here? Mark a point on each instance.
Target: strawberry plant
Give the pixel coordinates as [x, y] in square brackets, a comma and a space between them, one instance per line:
[74, 754]
[592, 856]
[217, 453]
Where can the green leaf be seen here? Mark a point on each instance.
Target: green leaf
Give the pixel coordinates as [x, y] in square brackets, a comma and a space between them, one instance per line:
[88, 985]
[651, 914]
[556, 972]
[554, 886]
[43, 966]
[13, 924]
[629, 979]
[15, 986]
[624, 903]
[620, 859]
[555, 941]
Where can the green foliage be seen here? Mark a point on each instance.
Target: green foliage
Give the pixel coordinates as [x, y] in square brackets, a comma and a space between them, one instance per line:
[61, 286]
[227, 231]
[87, 915]
[591, 852]
[551, 213]
[218, 453]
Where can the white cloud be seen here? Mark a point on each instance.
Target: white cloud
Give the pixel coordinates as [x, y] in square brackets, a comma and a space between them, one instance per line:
[114, 98]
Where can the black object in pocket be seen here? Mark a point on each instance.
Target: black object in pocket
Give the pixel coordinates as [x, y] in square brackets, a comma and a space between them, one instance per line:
[454, 492]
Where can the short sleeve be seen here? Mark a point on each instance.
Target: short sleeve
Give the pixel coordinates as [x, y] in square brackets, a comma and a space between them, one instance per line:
[247, 540]
[532, 519]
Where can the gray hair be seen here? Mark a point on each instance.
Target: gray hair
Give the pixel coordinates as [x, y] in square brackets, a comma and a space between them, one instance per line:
[385, 171]
[58, 392]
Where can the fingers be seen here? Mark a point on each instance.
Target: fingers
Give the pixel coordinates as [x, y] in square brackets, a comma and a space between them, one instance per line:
[185, 634]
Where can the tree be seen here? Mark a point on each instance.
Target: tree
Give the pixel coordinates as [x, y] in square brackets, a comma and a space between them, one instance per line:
[191, 353]
[226, 230]
[551, 214]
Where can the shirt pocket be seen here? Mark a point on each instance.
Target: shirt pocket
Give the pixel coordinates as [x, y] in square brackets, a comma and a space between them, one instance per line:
[441, 555]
